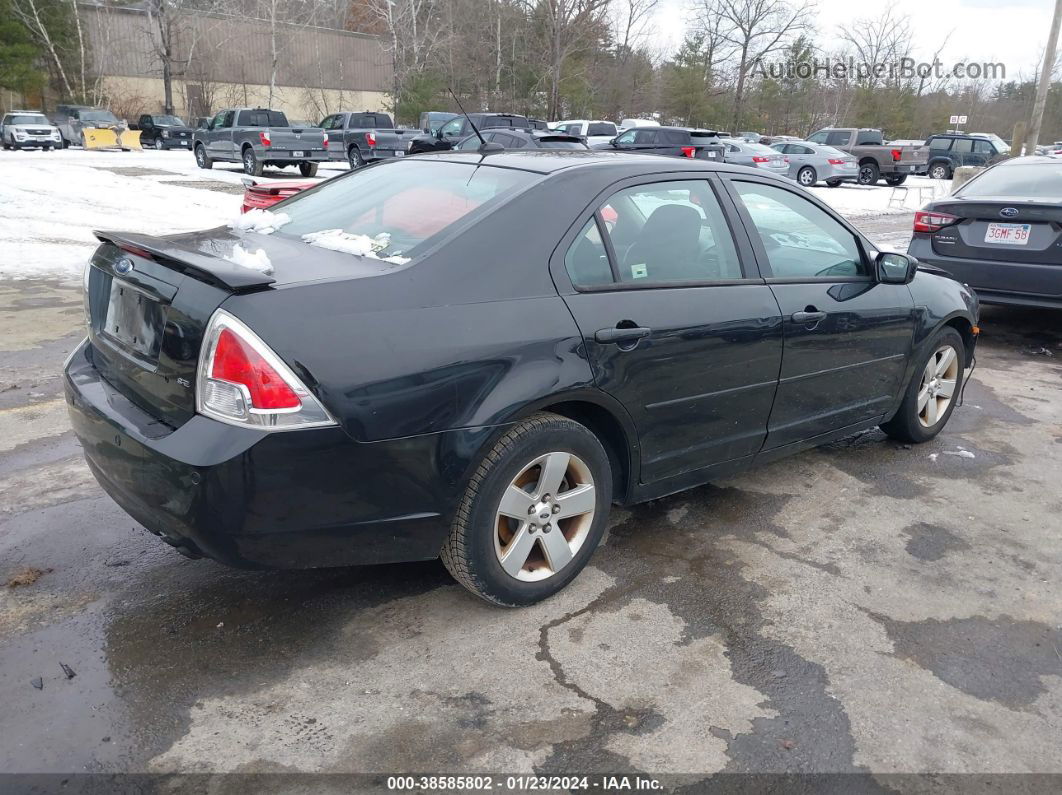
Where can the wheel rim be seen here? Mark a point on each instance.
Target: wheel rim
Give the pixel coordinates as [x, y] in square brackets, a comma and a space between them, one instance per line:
[937, 388]
[938, 173]
[544, 517]
[355, 158]
[248, 161]
[158, 143]
[866, 175]
[199, 155]
[806, 177]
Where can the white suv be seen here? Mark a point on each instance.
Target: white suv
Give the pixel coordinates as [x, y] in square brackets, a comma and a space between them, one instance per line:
[21, 129]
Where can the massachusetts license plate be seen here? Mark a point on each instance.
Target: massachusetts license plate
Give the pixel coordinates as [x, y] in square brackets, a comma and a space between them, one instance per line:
[298, 153]
[1009, 234]
[400, 153]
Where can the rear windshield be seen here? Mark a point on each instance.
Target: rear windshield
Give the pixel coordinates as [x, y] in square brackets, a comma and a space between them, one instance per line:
[557, 142]
[98, 115]
[26, 118]
[411, 201]
[831, 152]
[601, 128]
[168, 121]
[1025, 181]
[261, 118]
[760, 149]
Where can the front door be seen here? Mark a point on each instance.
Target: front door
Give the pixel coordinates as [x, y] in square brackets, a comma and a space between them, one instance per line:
[847, 337]
[677, 324]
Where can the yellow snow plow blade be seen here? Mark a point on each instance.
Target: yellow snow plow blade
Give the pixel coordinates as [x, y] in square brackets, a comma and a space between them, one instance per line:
[130, 139]
[107, 138]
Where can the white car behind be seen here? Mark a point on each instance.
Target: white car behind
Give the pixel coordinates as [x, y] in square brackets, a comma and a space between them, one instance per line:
[592, 131]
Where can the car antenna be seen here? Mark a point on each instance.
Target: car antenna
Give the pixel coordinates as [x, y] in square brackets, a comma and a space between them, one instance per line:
[483, 145]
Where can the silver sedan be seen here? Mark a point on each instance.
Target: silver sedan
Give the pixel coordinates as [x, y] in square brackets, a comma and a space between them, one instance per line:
[811, 163]
[742, 153]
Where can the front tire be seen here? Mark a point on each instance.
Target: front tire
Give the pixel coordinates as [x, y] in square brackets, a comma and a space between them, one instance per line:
[869, 174]
[533, 512]
[895, 179]
[308, 169]
[202, 159]
[933, 392]
[939, 171]
[158, 144]
[807, 176]
[833, 183]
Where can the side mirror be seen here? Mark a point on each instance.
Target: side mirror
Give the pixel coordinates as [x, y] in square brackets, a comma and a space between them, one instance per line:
[896, 268]
[614, 142]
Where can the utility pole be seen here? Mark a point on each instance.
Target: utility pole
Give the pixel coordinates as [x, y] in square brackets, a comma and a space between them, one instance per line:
[1045, 82]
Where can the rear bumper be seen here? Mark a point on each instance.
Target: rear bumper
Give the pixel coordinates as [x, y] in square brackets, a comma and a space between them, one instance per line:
[975, 273]
[297, 499]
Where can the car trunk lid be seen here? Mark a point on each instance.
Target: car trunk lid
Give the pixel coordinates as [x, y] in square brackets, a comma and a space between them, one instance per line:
[1025, 235]
[149, 301]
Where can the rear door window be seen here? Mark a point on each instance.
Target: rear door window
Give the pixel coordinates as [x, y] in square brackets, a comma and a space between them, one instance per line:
[940, 144]
[962, 145]
[838, 138]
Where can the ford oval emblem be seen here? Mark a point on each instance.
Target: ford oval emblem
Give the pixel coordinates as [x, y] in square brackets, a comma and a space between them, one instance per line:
[124, 265]
[1009, 212]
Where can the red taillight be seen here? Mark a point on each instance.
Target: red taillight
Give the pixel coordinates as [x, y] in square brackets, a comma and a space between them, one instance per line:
[370, 138]
[896, 155]
[264, 138]
[931, 222]
[760, 159]
[689, 151]
[137, 251]
[326, 140]
[836, 162]
[238, 363]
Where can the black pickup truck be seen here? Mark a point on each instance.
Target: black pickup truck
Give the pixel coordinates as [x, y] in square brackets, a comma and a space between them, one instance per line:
[460, 127]
[671, 141]
[365, 137]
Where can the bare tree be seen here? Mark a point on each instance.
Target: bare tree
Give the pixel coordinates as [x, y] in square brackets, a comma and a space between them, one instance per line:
[755, 29]
[884, 39]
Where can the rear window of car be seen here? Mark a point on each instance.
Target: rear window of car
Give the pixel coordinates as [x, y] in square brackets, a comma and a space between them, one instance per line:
[558, 142]
[601, 128]
[1025, 181]
[262, 118]
[829, 151]
[408, 202]
[760, 149]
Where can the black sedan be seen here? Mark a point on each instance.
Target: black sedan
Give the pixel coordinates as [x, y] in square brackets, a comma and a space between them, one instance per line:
[522, 139]
[1001, 233]
[474, 357]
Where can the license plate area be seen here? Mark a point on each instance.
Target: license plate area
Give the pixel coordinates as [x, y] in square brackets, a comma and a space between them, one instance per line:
[133, 322]
[298, 153]
[1008, 234]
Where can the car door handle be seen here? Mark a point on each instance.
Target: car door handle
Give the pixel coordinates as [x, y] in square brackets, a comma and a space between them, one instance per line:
[621, 335]
[807, 317]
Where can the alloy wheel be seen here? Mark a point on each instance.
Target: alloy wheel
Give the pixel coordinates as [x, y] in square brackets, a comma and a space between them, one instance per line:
[545, 516]
[937, 388]
[248, 161]
[158, 144]
[806, 177]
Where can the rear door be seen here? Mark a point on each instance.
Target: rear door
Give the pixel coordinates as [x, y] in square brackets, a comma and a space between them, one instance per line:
[677, 323]
[846, 336]
[220, 135]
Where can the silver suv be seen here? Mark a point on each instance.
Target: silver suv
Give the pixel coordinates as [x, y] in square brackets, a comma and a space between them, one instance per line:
[22, 129]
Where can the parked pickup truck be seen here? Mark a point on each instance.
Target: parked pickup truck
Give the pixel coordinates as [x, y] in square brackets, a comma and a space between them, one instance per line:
[460, 127]
[673, 141]
[361, 138]
[259, 137]
[876, 159]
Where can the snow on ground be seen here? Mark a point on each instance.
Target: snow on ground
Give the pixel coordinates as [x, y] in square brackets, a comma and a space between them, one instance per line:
[51, 201]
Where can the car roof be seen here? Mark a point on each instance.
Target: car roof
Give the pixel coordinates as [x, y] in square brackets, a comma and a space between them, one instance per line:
[547, 161]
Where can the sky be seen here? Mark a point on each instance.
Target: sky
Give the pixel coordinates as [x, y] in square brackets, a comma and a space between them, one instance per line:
[1012, 32]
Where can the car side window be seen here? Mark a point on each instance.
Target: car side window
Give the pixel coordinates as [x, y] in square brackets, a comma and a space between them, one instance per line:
[627, 137]
[663, 232]
[587, 259]
[452, 127]
[645, 136]
[802, 241]
[984, 148]
[962, 145]
[940, 144]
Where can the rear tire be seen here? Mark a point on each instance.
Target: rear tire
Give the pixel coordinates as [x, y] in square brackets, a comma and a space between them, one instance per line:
[202, 159]
[869, 174]
[308, 169]
[507, 544]
[933, 391]
[807, 176]
[833, 183]
[251, 164]
[895, 179]
[354, 158]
